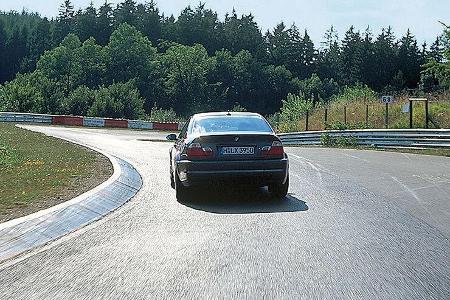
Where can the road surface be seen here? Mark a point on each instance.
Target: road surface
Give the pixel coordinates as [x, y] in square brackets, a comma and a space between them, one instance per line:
[356, 224]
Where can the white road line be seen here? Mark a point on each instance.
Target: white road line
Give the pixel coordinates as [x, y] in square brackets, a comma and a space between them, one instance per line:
[412, 193]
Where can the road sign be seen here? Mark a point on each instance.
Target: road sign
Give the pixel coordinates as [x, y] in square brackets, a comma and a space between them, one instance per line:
[405, 107]
[387, 99]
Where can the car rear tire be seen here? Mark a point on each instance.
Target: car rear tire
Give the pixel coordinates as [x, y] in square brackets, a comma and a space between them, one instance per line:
[279, 190]
[180, 190]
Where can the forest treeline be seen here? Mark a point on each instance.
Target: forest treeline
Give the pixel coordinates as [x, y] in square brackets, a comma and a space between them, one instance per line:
[121, 61]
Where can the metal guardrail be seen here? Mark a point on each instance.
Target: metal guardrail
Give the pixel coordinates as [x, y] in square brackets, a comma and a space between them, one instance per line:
[86, 121]
[423, 138]
[29, 118]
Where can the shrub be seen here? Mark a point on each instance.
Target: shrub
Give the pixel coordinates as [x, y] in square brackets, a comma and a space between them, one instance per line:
[79, 101]
[341, 141]
[293, 108]
[21, 95]
[325, 139]
[119, 100]
[162, 115]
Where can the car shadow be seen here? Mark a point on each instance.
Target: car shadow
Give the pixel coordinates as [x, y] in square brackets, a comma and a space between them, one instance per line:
[242, 201]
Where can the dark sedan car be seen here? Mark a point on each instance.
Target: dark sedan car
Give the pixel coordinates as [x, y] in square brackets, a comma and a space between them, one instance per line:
[228, 147]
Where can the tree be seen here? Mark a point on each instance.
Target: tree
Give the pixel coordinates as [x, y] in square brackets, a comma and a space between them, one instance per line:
[119, 100]
[436, 51]
[86, 23]
[200, 26]
[22, 94]
[126, 12]
[104, 23]
[441, 70]
[232, 78]
[61, 64]
[3, 38]
[243, 34]
[368, 59]
[329, 62]
[32, 92]
[91, 60]
[129, 54]
[65, 21]
[352, 57]
[150, 21]
[279, 45]
[316, 89]
[78, 101]
[308, 57]
[185, 79]
[39, 40]
[385, 56]
[409, 60]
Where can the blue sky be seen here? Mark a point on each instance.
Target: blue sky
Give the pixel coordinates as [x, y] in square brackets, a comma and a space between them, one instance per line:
[421, 16]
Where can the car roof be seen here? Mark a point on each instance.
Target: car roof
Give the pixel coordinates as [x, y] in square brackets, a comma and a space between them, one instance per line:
[226, 113]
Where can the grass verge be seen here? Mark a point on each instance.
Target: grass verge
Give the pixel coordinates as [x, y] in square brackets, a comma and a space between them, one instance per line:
[429, 151]
[38, 171]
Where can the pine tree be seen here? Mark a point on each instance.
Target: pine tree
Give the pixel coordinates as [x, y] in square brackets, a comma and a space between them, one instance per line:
[151, 22]
[368, 53]
[279, 45]
[385, 55]
[104, 23]
[352, 57]
[329, 62]
[3, 61]
[435, 52]
[64, 22]
[126, 12]
[86, 23]
[409, 59]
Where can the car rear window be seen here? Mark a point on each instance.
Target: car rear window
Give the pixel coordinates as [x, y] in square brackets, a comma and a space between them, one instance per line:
[229, 123]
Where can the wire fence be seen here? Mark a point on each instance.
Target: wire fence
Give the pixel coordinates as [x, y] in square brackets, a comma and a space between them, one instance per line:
[374, 114]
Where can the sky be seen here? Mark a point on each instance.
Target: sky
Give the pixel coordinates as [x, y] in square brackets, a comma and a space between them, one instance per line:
[421, 16]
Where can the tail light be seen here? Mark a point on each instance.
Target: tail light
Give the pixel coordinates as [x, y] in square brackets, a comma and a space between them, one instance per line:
[275, 150]
[196, 150]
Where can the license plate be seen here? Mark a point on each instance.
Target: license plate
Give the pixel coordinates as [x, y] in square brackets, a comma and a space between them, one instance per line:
[237, 150]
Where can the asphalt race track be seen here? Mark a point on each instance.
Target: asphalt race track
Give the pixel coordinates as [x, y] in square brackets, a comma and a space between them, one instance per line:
[357, 224]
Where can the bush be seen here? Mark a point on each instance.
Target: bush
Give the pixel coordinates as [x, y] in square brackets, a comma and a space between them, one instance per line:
[325, 139]
[340, 141]
[294, 107]
[21, 95]
[79, 101]
[119, 100]
[162, 115]
[355, 93]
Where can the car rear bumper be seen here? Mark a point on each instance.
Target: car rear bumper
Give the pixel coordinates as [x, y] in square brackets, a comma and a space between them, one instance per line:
[259, 172]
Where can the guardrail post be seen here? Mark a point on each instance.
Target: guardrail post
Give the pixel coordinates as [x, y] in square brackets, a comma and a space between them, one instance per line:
[325, 118]
[307, 120]
[410, 114]
[426, 114]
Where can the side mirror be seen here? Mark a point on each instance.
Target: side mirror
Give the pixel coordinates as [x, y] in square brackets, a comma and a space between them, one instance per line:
[171, 137]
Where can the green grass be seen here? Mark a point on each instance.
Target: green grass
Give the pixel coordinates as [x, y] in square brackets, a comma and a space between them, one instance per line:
[34, 167]
[431, 151]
